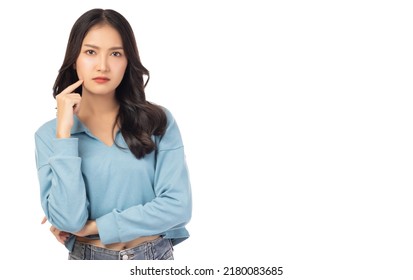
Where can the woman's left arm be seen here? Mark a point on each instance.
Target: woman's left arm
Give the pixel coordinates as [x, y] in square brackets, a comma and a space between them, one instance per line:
[172, 206]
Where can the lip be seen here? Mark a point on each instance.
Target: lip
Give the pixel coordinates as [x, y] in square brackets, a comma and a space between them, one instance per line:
[101, 79]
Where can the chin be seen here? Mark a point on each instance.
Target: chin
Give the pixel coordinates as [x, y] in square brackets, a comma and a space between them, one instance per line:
[100, 91]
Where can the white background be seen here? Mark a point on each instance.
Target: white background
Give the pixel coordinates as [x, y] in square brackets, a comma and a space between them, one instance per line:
[296, 118]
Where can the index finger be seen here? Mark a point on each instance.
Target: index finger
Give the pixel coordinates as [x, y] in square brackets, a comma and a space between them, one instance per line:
[72, 87]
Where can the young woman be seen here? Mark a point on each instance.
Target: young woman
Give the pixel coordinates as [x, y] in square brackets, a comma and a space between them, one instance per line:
[113, 179]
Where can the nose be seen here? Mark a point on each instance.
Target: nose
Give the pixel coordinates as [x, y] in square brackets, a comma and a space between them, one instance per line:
[102, 64]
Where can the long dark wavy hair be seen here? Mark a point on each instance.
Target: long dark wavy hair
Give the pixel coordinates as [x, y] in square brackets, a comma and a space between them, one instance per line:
[137, 118]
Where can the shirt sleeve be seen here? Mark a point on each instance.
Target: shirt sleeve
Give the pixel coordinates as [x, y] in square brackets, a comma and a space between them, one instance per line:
[62, 188]
[172, 206]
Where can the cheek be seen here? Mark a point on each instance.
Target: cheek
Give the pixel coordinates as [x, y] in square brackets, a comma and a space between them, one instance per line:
[80, 75]
[79, 70]
[120, 71]
[82, 68]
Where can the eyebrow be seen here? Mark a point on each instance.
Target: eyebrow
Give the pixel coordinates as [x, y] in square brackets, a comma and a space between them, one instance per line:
[96, 47]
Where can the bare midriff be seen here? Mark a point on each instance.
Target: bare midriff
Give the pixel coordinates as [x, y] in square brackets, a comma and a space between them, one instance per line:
[118, 246]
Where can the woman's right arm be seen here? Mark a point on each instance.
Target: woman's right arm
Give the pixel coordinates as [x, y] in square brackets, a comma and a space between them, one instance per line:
[62, 188]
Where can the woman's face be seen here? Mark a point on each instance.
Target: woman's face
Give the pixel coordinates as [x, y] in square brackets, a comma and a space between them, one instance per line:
[101, 63]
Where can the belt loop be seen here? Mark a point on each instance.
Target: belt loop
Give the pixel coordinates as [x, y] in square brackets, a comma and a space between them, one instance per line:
[149, 253]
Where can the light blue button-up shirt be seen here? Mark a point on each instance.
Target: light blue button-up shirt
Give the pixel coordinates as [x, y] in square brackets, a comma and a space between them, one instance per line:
[81, 179]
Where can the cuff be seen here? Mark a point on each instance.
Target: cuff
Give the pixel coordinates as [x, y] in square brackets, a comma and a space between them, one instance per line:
[108, 229]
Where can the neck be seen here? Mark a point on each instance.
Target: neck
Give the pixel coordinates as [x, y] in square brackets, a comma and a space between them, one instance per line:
[98, 105]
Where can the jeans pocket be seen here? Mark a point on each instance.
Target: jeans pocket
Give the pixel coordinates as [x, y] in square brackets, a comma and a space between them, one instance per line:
[78, 252]
[168, 255]
[164, 250]
[73, 257]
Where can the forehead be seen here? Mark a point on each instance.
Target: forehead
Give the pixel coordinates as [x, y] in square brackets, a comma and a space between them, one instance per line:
[103, 35]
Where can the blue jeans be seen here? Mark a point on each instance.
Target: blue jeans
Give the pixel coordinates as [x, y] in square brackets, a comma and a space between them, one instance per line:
[158, 249]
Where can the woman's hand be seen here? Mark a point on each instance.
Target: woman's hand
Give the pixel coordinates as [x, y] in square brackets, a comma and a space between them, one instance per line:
[68, 103]
[61, 236]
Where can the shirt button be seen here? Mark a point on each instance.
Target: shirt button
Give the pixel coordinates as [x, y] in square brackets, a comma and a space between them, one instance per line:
[125, 257]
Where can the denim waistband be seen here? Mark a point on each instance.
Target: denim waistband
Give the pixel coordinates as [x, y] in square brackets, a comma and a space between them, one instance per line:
[159, 248]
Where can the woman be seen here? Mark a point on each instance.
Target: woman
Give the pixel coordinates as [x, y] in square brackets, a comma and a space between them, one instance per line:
[111, 166]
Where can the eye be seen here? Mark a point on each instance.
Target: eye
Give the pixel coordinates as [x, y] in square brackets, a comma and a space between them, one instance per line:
[90, 52]
[116, 54]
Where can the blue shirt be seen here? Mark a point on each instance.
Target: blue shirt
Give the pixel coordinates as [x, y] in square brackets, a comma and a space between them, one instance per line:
[81, 179]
